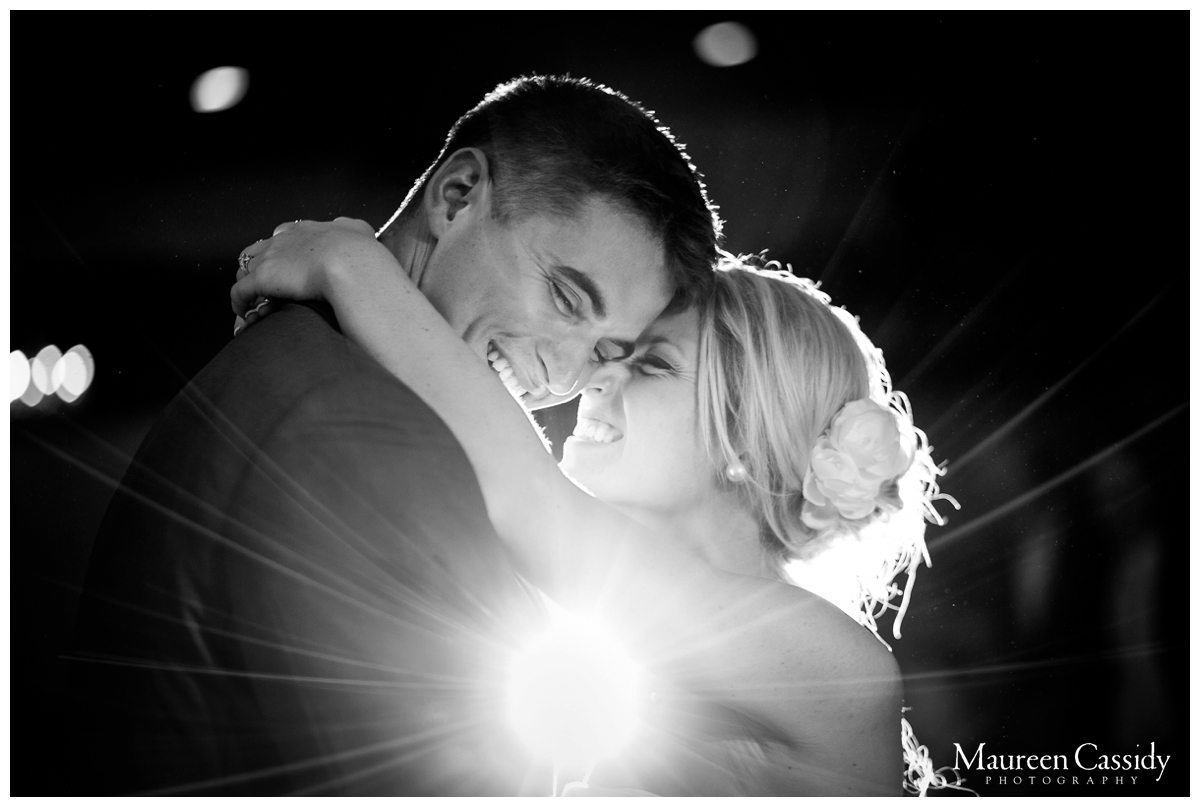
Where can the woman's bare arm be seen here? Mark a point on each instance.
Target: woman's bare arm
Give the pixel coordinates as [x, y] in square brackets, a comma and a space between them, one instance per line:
[774, 652]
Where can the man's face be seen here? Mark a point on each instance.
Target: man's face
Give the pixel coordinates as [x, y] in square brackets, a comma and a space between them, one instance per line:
[544, 297]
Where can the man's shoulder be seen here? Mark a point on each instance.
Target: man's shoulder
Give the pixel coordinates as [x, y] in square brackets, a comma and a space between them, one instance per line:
[291, 369]
[290, 391]
[297, 353]
[297, 341]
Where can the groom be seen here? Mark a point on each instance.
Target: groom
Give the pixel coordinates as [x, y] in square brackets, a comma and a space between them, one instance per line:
[296, 587]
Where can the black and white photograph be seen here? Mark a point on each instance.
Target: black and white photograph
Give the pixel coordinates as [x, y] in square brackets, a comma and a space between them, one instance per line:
[599, 403]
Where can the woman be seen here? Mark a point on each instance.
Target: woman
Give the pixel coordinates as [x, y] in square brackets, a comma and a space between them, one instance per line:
[740, 436]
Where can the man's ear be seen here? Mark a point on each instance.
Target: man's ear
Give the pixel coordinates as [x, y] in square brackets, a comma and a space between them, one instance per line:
[461, 184]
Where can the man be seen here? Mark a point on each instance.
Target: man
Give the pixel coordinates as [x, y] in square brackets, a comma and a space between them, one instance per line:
[296, 587]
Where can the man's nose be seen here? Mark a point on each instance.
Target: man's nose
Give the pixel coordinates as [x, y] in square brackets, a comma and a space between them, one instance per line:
[567, 365]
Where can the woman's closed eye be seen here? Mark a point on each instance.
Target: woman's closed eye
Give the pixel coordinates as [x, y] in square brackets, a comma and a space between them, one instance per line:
[652, 365]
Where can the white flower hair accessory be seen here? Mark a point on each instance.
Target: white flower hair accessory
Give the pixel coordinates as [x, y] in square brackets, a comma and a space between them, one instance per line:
[856, 568]
[865, 448]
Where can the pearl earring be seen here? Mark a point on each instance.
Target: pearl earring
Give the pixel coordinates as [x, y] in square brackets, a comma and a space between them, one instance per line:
[735, 472]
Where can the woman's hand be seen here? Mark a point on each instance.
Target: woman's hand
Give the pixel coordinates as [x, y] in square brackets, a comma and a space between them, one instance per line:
[301, 262]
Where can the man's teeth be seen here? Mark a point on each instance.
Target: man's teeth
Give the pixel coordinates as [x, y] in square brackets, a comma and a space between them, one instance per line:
[505, 371]
[597, 431]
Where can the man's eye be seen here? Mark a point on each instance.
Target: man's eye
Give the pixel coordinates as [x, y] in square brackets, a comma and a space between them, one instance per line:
[604, 353]
[607, 350]
[562, 299]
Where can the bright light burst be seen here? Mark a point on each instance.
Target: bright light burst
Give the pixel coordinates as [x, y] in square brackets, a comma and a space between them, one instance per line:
[573, 692]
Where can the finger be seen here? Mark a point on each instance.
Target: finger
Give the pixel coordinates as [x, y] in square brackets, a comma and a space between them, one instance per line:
[239, 325]
[283, 228]
[243, 296]
[259, 311]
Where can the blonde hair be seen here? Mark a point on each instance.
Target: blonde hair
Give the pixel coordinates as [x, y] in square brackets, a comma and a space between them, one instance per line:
[777, 363]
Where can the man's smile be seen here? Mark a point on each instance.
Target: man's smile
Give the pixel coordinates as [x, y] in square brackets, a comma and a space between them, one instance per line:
[504, 368]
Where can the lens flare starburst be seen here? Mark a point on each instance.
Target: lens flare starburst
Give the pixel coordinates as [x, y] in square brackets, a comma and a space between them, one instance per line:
[573, 692]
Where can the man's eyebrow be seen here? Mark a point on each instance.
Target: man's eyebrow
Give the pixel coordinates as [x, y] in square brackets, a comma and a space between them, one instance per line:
[588, 287]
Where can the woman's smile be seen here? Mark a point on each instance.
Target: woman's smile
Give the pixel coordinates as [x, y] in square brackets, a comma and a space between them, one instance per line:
[591, 430]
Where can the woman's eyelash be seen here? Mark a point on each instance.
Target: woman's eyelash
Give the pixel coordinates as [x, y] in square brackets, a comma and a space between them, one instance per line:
[653, 363]
[562, 298]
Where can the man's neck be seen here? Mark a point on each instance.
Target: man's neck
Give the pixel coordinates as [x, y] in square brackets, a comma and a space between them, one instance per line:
[410, 240]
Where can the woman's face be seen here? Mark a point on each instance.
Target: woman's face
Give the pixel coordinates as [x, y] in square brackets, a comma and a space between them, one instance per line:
[636, 442]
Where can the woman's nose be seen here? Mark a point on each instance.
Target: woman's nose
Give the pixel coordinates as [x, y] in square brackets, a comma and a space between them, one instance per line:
[608, 377]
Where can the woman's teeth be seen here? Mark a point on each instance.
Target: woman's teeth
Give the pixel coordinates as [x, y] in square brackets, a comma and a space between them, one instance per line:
[597, 431]
[505, 371]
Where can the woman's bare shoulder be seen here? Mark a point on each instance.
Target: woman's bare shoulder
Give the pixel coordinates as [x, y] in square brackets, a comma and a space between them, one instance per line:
[843, 707]
[833, 641]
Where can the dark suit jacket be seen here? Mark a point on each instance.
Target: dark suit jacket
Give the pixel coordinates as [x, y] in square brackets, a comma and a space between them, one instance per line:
[296, 589]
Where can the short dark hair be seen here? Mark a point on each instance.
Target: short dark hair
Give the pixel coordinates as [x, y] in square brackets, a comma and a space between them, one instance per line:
[553, 142]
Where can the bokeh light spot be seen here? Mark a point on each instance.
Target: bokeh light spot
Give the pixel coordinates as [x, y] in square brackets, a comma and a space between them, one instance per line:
[50, 372]
[725, 44]
[18, 374]
[32, 395]
[42, 369]
[73, 373]
[219, 88]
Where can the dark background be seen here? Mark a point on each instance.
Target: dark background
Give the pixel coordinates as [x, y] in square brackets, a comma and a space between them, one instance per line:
[1002, 199]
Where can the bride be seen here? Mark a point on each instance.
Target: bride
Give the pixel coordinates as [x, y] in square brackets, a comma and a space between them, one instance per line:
[743, 441]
